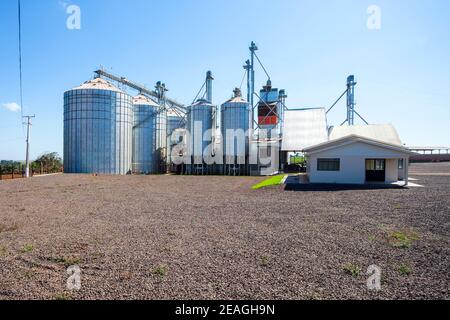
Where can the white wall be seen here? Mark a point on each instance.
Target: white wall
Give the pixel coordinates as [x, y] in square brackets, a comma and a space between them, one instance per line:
[391, 170]
[352, 171]
[401, 172]
[353, 163]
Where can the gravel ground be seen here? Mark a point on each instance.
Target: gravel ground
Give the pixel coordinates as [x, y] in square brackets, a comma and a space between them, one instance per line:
[178, 237]
[431, 168]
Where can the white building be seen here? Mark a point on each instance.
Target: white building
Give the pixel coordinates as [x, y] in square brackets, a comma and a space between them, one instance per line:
[357, 159]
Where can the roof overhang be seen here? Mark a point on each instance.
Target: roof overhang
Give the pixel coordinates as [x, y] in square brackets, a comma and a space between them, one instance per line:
[351, 139]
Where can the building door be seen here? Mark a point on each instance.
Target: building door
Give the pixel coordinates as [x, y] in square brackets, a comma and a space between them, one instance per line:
[375, 170]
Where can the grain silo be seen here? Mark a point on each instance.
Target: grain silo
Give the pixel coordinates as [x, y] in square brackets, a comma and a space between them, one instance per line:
[235, 122]
[200, 128]
[144, 135]
[98, 120]
[161, 140]
[175, 121]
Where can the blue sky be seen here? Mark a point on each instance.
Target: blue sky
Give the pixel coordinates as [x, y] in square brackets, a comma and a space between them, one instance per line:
[308, 47]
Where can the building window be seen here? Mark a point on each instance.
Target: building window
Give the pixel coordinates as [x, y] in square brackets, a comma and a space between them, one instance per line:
[400, 164]
[375, 164]
[328, 164]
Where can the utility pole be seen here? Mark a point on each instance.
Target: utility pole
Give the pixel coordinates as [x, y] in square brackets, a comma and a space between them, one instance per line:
[27, 163]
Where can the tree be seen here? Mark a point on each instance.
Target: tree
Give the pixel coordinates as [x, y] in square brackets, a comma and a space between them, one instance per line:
[35, 167]
[50, 162]
[8, 166]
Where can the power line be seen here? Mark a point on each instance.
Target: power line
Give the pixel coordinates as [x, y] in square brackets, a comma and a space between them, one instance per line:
[20, 63]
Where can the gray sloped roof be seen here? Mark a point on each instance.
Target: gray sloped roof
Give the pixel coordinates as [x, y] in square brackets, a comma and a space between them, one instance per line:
[380, 132]
[303, 128]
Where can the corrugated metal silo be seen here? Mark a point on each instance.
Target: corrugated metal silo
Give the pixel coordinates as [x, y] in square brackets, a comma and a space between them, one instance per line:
[235, 122]
[98, 119]
[175, 121]
[199, 125]
[161, 140]
[178, 151]
[144, 135]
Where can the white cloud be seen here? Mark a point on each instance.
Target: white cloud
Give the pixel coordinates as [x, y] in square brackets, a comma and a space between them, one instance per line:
[12, 106]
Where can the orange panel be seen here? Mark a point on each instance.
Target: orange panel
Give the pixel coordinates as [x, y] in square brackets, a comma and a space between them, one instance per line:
[270, 120]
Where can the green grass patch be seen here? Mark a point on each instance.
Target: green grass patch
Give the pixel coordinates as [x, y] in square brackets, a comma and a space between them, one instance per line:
[352, 269]
[67, 262]
[404, 270]
[265, 261]
[161, 271]
[27, 248]
[402, 239]
[272, 181]
[62, 296]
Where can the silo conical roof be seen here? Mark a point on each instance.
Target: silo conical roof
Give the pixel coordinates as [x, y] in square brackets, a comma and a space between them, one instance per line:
[201, 101]
[98, 84]
[172, 113]
[237, 97]
[144, 100]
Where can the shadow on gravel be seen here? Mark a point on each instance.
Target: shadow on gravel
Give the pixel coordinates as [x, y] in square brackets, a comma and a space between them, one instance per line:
[336, 187]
